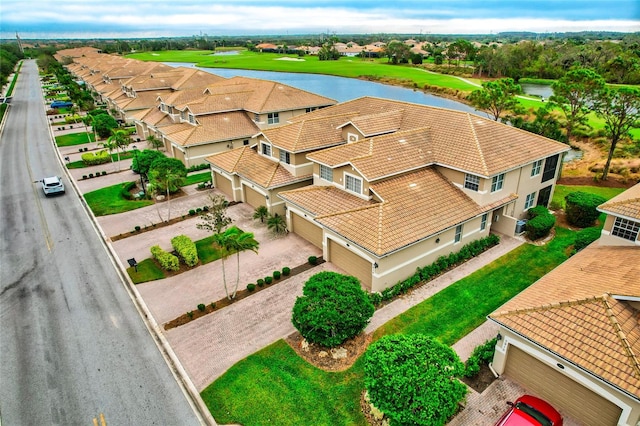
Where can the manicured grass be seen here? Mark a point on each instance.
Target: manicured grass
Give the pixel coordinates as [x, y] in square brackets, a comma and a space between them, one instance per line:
[561, 191]
[114, 157]
[275, 386]
[207, 252]
[148, 270]
[197, 178]
[344, 67]
[75, 139]
[109, 200]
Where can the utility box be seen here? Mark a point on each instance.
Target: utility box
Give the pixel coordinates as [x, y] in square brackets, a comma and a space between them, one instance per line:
[521, 226]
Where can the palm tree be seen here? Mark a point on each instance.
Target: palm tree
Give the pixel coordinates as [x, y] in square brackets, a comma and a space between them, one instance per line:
[223, 241]
[154, 142]
[167, 178]
[261, 212]
[109, 145]
[277, 224]
[240, 241]
[120, 139]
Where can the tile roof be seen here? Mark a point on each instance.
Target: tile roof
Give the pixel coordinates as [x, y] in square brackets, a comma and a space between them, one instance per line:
[212, 128]
[625, 204]
[458, 139]
[577, 311]
[414, 206]
[323, 200]
[305, 135]
[378, 123]
[250, 165]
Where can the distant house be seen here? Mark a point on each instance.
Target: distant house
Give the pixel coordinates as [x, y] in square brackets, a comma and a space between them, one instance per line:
[573, 337]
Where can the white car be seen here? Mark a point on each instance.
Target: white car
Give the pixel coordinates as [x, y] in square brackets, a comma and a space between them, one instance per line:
[52, 185]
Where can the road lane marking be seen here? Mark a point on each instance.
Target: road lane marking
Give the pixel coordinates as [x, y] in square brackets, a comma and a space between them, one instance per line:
[103, 422]
[45, 228]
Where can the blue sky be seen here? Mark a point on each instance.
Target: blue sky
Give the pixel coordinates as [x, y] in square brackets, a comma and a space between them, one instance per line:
[146, 18]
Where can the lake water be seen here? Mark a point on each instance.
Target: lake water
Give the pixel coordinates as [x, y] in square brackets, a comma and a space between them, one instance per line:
[542, 90]
[342, 89]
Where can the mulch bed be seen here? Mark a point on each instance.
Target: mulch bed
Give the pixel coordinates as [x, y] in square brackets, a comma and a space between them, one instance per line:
[320, 356]
[241, 294]
[590, 181]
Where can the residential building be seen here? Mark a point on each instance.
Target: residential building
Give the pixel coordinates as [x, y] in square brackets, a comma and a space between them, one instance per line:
[623, 219]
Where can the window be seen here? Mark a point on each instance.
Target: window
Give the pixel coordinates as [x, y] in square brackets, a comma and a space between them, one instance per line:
[497, 182]
[458, 236]
[266, 149]
[528, 202]
[483, 222]
[544, 196]
[163, 107]
[550, 168]
[192, 119]
[626, 229]
[183, 115]
[245, 142]
[353, 184]
[285, 157]
[326, 173]
[274, 118]
[471, 182]
[535, 168]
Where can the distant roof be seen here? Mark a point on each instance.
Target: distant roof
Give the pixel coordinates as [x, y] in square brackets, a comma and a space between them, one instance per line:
[625, 204]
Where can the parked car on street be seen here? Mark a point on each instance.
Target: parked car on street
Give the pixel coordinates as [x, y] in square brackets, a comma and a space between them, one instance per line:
[529, 410]
[52, 185]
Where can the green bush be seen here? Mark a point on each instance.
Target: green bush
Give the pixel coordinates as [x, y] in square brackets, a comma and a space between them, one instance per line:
[581, 208]
[213, 305]
[332, 309]
[251, 287]
[586, 236]
[167, 261]
[537, 211]
[313, 260]
[276, 275]
[260, 282]
[413, 379]
[186, 249]
[137, 227]
[190, 314]
[94, 159]
[192, 212]
[125, 191]
[482, 354]
[201, 307]
[268, 280]
[286, 271]
[540, 226]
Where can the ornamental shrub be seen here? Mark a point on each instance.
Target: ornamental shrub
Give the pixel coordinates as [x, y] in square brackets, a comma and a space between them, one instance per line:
[313, 260]
[586, 236]
[482, 354]
[540, 226]
[268, 280]
[192, 212]
[167, 261]
[260, 282]
[286, 271]
[581, 208]
[125, 190]
[94, 159]
[276, 275]
[186, 249]
[251, 287]
[412, 379]
[201, 307]
[537, 211]
[333, 308]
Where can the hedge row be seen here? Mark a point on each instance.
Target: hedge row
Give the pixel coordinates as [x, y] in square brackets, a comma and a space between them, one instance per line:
[540, 222]
[125, 191]
[442, 264]
[94, 159]
[168, 261]
[581, 208]
[186, 249]
[586, 236]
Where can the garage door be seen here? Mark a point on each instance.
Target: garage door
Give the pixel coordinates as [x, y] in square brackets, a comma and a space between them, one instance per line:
[566, 395]
[253, 197]
[351, 263]
[307, 230]
[224, 185]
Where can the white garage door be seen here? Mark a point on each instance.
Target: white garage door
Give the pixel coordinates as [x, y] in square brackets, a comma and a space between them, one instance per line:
[559, 390]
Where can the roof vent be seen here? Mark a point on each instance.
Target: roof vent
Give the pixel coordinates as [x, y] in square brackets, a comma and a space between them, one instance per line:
[413, 185]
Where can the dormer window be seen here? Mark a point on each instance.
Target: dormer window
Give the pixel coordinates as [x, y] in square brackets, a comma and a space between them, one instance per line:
[326, 173]
[192, 119]
[266, 149]
[183, 115]
[273, 118]
[163, 107]
[285, 157]
[353, 184]
[472, 182]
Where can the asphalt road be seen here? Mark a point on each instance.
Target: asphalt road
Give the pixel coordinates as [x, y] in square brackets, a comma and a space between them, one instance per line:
[73, 347]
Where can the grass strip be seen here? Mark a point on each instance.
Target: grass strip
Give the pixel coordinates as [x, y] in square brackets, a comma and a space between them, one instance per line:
[109, 200]
[72, 139]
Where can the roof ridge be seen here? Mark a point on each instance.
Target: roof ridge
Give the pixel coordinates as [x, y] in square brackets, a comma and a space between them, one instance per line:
[546, 307]
[475, 138]
[356, 209]
[235, 164]
[275, 170]
[626, 201]
[635, 363]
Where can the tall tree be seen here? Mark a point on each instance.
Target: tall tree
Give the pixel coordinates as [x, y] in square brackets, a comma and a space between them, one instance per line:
[155, 142]
[166, 175]
[497, 97]
[241, 241]
[120, 140]
[215, 219]
[574, 93]
[620, 110]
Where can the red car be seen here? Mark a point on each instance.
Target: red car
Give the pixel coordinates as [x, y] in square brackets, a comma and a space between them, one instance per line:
[530, 411]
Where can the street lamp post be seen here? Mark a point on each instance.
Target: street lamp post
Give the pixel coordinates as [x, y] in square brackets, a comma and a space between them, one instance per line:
[135, 153]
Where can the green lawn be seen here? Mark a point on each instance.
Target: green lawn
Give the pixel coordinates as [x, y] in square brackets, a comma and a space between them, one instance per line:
[75, 139]
[561, 191]
[147, 271]
[109, 200]
[114, 159]
[275, 386]
[197, 178]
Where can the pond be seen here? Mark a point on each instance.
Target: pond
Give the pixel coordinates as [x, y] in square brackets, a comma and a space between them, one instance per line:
[543, 90]
[342, 89]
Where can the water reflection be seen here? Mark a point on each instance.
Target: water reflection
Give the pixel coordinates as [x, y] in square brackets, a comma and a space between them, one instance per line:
[341, 88]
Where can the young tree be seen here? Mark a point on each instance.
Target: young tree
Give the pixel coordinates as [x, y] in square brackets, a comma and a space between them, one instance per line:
[412, 379]
[166, 175]
[574, 93]
[143, 161]
[215, 219]
[333, 308]
[277, 224]
[120, 140]
[222, 240]
[497, 97]
[261, 212]
[104, 124]
[155, 142]
[620, 110]
[241, 241]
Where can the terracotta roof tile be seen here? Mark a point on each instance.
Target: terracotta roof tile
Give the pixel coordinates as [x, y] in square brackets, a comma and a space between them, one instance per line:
[625, 204]
[245, 162]
[305, 135]
[212, 128]
[323, 200]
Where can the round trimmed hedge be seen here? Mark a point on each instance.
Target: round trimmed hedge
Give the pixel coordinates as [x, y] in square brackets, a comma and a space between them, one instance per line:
[581, 208]
[333, 308]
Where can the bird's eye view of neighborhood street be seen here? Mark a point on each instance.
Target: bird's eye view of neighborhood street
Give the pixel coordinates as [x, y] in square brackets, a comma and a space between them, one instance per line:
[320, 213]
